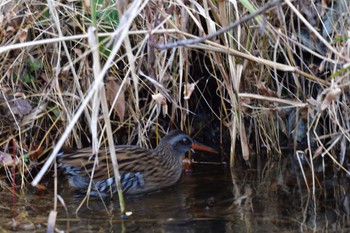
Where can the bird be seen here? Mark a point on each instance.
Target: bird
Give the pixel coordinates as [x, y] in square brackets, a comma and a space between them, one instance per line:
[141, 170]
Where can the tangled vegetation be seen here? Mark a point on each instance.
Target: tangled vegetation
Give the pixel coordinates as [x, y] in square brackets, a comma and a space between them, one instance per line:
[248, 76]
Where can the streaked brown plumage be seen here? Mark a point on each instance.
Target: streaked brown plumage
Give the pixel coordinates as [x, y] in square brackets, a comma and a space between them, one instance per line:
[142, 170]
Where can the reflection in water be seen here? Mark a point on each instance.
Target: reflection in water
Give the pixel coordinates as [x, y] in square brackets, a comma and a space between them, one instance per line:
[211, 199]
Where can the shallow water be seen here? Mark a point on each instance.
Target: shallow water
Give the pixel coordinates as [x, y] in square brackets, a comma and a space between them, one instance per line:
[210, 199]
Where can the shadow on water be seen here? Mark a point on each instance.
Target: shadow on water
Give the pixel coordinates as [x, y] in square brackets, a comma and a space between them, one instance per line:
[210, 199]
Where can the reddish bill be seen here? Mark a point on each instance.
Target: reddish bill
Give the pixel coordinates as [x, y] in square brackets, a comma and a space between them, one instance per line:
[201, 147]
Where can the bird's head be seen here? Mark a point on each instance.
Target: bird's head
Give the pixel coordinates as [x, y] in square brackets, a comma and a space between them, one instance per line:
[181, 143]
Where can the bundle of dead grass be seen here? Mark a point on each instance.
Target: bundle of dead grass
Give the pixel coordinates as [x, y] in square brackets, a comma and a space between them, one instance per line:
[71, 71]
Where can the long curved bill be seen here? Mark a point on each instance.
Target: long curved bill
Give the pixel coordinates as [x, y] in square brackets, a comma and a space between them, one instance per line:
[201, 147]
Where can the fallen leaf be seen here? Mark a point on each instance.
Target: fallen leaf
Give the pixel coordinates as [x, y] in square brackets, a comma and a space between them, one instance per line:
[41, 187]
[22, 35]
[330, 94]
[244, 104]
[189, 88]
[5, 89]
[112, 89]
[78, 52]
[10, 29]
[304, 113]
[35, 152]
[44, 77]
[34, 113]
[318, 152]
[20, 107]
[6, 159]
[161, 100]
[264, 90]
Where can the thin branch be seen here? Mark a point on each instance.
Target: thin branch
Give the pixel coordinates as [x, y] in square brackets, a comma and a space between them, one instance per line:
[221, 31]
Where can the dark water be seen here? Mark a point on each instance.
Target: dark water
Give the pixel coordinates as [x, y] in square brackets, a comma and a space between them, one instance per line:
[210, 199]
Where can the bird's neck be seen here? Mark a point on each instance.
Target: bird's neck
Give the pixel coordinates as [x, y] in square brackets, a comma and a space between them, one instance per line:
[169, 158]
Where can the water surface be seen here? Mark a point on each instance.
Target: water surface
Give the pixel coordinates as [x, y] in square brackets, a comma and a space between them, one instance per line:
[210, 199]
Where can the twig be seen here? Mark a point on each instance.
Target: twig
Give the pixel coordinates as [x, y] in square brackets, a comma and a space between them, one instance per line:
[221, 31]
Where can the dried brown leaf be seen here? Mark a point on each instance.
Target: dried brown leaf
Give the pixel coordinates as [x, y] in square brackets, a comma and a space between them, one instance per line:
[34, 113]
[189, 88]
[304, 113]
[10, 29]
[78, 52]
[44, 77]
[265, 90]
[282, 126]
[330, 94]
[5, 89]
[35, 152]
[18, 107]
[161, 100]
[22, 35]
[112, 89]
[41, 187]
[6, 159]
[244, 104]
[318, 152]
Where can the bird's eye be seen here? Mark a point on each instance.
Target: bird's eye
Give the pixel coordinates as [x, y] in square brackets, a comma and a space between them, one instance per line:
[186, 141]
